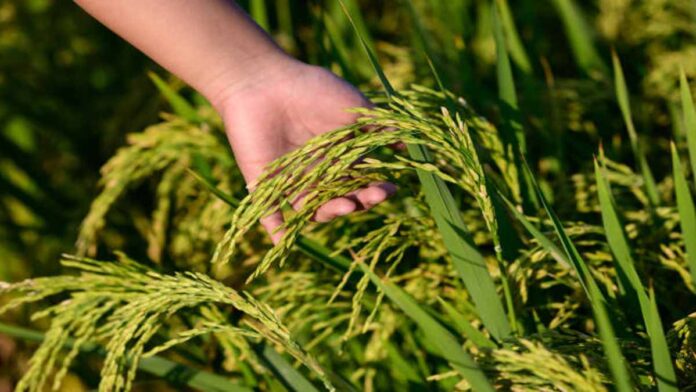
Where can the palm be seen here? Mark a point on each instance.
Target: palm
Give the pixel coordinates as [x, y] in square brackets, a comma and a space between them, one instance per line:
[275, 116]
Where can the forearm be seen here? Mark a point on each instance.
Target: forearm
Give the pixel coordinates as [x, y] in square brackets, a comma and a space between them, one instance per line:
[210, 44]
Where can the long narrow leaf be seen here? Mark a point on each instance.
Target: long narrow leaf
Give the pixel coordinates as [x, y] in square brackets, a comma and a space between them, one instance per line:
[689, 120]
[513, 132]
[257, 10]
[662, 363]
[625, 105]
[467, 260]
[514, 43]
[687, 212]
[473, 334]
[616, 360]
[179, 105]
[662, 360]
[542, 239]
[616, 237]
[580, 37]
[447, 345]
[281, 367]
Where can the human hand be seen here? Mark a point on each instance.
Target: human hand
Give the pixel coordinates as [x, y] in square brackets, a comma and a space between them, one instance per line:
[269, 115]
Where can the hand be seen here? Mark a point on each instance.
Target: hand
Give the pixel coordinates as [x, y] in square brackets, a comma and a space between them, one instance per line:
[278, 111]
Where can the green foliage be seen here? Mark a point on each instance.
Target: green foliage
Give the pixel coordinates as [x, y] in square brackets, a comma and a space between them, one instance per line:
[507, 260]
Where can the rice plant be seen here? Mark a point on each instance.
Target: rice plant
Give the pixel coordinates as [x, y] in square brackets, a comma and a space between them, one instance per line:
[534, 243]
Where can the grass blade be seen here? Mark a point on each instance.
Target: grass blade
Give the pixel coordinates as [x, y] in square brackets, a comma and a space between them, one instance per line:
[179, 105]
[543, 240]
[285, 371]
[258, 12]
[466, 259]
[580, 37]
[662, 362]
[361, 32]
[437, 335]
[506, 82]
[513, 133]
[616, 237]
[689, 120]
[612, 350]
[616, 360]
[687, 212]
[514, 43]
[471, 333]
[173, 372]
[624, 104]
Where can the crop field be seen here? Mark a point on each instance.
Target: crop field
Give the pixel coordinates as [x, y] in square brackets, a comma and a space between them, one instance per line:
[542, 237]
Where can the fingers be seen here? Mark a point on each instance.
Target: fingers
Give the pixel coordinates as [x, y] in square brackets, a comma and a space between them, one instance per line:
[271, 223]
[374, 194]
[334, 208]
[362, 199]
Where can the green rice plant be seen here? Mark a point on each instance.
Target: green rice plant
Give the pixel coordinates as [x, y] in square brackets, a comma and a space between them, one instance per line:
[687, 212]
[406, 295]
[664, 371]
[617, 362]
[580, 37]
[157, 366]
[125, 305]
[639, 155]
[257, 9]
[689, 119]
[467, 260]
[436, 333]
[512, 37]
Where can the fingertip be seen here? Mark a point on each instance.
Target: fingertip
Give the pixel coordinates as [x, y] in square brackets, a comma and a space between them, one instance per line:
[271, 223]
[375, 194]
[334, 208]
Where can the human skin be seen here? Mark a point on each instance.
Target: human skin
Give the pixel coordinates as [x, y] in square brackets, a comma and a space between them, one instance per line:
[270, 103]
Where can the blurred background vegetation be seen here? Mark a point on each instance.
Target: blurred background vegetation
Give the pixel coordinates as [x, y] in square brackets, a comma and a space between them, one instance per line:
[70, 91]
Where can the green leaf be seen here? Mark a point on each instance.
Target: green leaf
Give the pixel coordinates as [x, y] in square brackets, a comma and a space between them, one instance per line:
[687, 212]
[580, 36]
[361, 32]
[506, 82]
[616, 237]
[437, 335]
[616, 360]
[179, 105]
[662, 360]
[571, 252]
[513, 132]
[689, 120]
[466, 259]
[543, 240]
[208, 184]
[662, 363]
[624, 104]
[258, 12]
[173, 372]
[471, 333]
[291, 376]
[514, 43]
[341, 53]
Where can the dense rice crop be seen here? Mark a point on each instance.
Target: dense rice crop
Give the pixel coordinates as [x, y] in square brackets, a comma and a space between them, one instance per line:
[543, 236]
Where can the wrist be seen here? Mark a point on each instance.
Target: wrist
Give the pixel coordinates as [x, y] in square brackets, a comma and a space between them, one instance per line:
[248, 76]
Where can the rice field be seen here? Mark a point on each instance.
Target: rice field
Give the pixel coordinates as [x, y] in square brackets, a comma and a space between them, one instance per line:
[542, 238]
